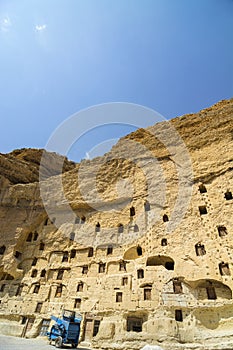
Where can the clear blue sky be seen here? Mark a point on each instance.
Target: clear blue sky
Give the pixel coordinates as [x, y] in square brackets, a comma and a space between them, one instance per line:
[60, 56]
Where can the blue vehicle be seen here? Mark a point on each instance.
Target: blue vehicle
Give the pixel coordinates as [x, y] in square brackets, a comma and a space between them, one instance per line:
[66, 330]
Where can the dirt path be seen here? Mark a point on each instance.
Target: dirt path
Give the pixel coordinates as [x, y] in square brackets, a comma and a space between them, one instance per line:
[13, 343]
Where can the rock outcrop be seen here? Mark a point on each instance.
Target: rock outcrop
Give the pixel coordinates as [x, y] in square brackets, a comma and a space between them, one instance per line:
[138, 241]
[23, 165]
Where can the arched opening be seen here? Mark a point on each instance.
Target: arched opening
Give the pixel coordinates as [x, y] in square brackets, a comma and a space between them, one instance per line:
[29, 237]
[34, 273]
[120, 228]
[165, 218]
[140, 273]
[35, 236]
[80, 287]
[147, 206]
[2, 249]
[163, 242]
[83, 219]
[136, 228]
[97, 227]
[200, 249]
[139, 250]
[228, 195]
[18, 255]
[132, 211]
[90, 252]
[212, 289]
[161, 260]
[132, 253]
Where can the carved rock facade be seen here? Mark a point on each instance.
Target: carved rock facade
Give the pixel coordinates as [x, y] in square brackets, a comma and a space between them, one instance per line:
[134, 280]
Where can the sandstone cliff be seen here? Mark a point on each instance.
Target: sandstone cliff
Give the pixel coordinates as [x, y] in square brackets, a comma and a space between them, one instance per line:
[22, 166]
[138, 241]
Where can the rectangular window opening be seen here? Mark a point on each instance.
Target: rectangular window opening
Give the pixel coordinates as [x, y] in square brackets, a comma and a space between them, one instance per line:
[102, 267]
[84, 269]
[178, 315]
[96, 327]
[119, 297]
[60, 274]
[122, 266]
[134, 324]
[44, 327]
[38, 307]
[124, 281]
[177, 287]
[90, 252]
[211, 294]
[58, 292]
[109, 250]
[140, 273]
[203, 210]
[147, 293]
[80, 287]
[77, 303]
[36, 289]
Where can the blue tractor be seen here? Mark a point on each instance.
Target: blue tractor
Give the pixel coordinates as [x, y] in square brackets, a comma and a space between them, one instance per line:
[66, 330]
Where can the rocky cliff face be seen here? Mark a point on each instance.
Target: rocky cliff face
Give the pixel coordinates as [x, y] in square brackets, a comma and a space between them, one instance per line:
[138, 241]
[22, 166]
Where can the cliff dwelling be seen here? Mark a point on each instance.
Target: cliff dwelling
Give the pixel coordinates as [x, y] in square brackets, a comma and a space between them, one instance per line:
[133, 279]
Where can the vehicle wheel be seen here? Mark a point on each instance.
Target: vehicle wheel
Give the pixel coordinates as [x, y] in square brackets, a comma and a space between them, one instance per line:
[58, 342]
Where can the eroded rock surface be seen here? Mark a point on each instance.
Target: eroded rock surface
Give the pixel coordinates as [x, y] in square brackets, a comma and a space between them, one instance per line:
[23, 165]
[138, 241]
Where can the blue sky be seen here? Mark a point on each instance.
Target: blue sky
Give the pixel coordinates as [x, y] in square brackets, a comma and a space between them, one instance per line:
[60, 56]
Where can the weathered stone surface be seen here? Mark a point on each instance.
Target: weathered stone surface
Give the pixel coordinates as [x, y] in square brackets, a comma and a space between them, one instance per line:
[22, 166]
[162, 278]
[151, 347]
